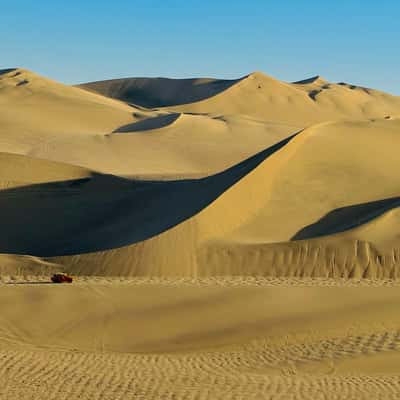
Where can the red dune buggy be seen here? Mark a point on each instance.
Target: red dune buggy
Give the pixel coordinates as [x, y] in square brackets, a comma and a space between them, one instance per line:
[61, 278]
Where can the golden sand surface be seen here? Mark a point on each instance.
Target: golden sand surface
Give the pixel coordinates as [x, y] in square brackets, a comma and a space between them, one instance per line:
[228, 239]
[110, 338]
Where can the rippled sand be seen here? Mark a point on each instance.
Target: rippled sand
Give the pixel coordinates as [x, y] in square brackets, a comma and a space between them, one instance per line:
[220, 338]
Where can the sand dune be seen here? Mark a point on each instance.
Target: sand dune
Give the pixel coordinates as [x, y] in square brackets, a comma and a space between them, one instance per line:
[168, 146]
[229, 223]
[73, 126]
[228, 239]
[18, 170]
[243, 232]
[159, 92]
[25, 267]
[100, 212]
[260, 96]
[306, 210]
[50, 107]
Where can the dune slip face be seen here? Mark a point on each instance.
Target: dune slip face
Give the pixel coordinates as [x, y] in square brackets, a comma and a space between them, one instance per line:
[226, 239]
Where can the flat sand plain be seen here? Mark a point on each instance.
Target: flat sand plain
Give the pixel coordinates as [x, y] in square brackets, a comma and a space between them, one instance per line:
[224, 338]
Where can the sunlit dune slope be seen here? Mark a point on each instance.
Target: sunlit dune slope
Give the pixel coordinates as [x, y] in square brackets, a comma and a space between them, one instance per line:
[48, 106]
[35, 109]
[18, 170]
[237, 239]
[140, 192]
[168, 146]
[277, 220]
[102, 211]
[45, 119]
[261, 96]
[302, 207]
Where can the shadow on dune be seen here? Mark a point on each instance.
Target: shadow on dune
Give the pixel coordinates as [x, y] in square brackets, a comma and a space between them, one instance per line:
[105, 212]
[149, 123]
[307, 81]
[345, 218]
[6, 71]
[159, 92]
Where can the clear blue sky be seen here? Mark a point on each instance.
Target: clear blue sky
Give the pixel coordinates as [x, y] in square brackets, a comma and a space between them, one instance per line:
[76, 41]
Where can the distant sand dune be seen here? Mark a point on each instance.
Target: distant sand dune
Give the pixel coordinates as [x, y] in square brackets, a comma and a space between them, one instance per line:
[303, 103]
[159, 92]
[50, 106]
[73, 126]
[168, 147]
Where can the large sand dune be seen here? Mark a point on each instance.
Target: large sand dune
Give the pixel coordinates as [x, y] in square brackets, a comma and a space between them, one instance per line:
[229, 239]
[159, 92]
[100, 212]
[304, 206]
[260, 96]
[71, 125]
[48, 107]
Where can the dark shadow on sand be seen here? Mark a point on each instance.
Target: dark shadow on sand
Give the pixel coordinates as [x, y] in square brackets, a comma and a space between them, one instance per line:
[106, 212]
[149, 123]
[8, 70]
[345, 218]
[159, 92]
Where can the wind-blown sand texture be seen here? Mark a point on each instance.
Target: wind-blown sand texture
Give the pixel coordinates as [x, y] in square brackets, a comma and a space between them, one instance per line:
[117, 340]
[229, 239]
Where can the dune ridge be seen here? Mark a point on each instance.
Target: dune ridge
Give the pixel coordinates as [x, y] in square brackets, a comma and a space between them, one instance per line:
[74, 204]
[241, 243]
[71, 125]
[227, 239]
[178, 191]
[159, 92]
[258, 95]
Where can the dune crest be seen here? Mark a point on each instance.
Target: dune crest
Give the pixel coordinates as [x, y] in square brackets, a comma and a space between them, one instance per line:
[251, 176]
[241, 232]
[260, 96]
[316, 80]
[159, 92]
[227, 239]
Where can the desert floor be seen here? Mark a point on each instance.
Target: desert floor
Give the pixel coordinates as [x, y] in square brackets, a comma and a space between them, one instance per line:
[213, 338]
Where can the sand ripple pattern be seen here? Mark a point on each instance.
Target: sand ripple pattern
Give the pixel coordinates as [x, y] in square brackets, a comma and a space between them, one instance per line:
[255, 371]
